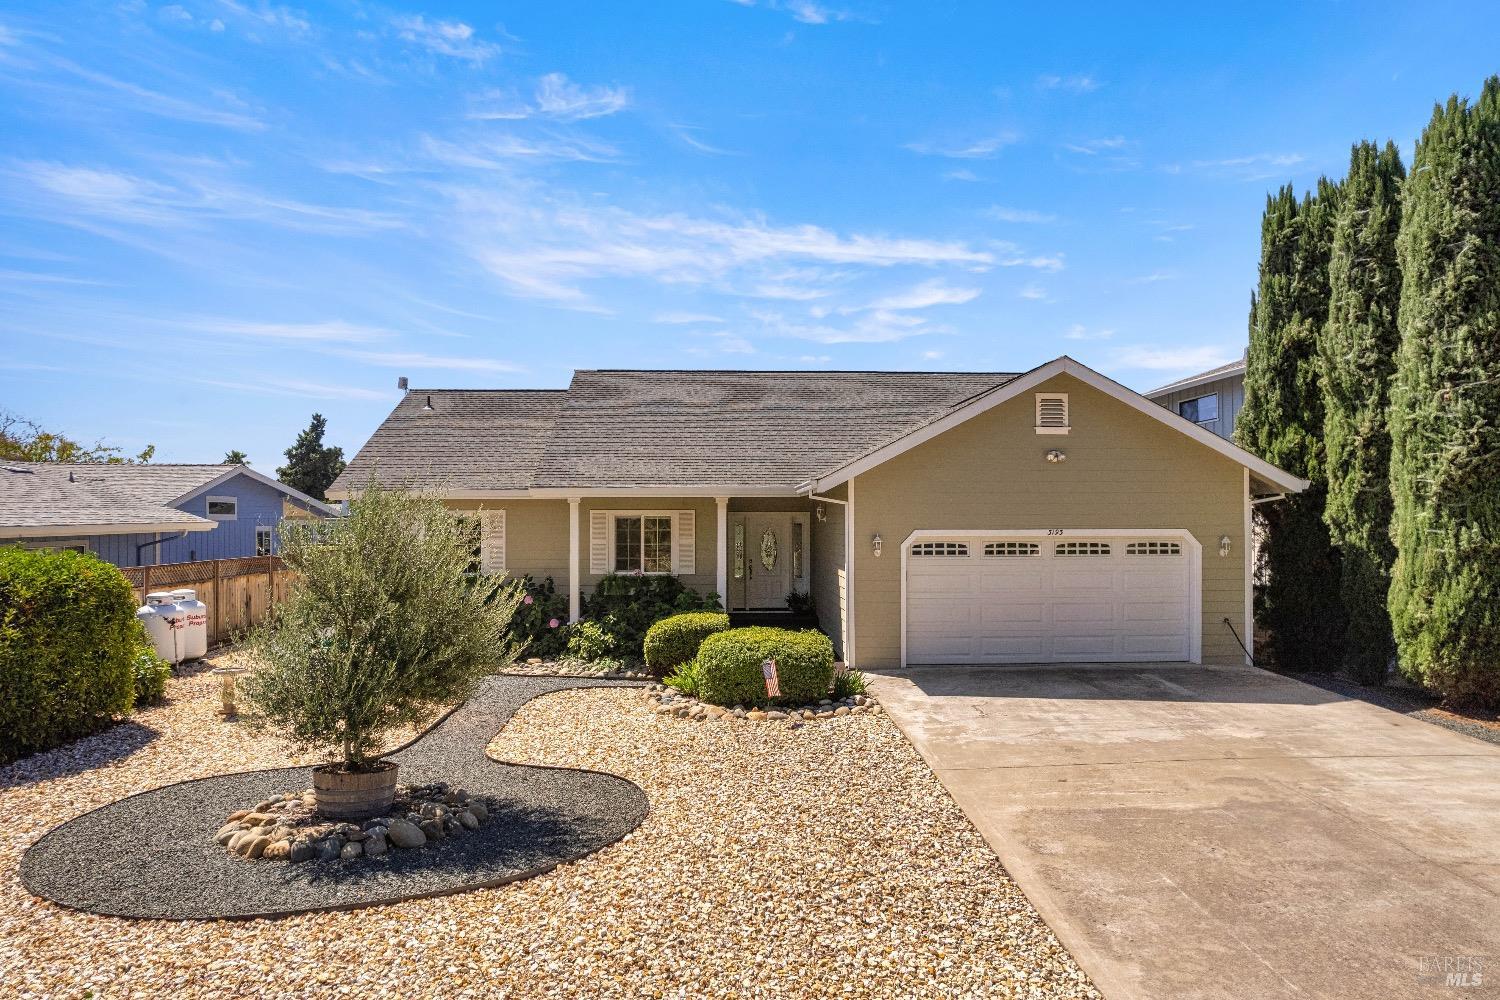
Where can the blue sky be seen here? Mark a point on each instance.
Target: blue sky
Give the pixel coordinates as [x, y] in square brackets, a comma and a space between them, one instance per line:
[221, 215]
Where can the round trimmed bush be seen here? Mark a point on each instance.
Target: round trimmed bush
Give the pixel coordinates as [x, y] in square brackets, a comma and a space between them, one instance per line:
[673, 641]
[729, 666]
[68, 638]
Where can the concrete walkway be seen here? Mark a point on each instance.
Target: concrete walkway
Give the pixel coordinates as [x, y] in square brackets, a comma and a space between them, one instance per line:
[1216, 832]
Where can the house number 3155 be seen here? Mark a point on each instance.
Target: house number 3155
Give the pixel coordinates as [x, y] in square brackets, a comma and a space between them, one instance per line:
[1054, 531]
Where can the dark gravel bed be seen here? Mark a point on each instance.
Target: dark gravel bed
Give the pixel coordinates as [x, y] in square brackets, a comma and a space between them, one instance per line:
[153, 855]
[1404, 700]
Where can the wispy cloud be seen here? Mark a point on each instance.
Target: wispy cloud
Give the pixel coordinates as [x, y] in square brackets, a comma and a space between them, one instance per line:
[1093, 147]
[270, 385]
[188, 199]
[926, 295]
[804, 11]
[1152, 278]
[1078, 83]
[1034, 293]
[1183, 359]
[1001, 213]
[446, 38]
[417, 359]
[559, 97]
[325, 332]
[1080, 332]
[685, 318]
[961, 174]
[1254, 167]
[1011, 255]
[496, 152]
[685, 133]
[983, 148]
[549, 250]
[874, 327]
[262, 17]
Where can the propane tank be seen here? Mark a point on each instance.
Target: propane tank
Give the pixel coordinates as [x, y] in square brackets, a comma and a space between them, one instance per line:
[164, 622]
[195, 632]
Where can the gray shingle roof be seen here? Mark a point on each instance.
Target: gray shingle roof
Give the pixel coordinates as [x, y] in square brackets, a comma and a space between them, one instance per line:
[616, 429]
[40, 495]
[471, 439]
[1223, 371]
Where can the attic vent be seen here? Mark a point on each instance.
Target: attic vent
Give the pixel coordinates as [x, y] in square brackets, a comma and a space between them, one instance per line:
[1052, 413]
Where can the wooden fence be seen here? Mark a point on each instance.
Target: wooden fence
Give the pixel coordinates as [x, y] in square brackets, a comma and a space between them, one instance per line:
[239, 592]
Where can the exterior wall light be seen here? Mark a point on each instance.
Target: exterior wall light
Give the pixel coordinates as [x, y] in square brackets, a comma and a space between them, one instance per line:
[1224, 545]
[822, 514]
[1054, 456]
[876, 543]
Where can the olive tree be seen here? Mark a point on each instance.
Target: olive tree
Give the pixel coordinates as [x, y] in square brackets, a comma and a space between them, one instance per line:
[384, 625]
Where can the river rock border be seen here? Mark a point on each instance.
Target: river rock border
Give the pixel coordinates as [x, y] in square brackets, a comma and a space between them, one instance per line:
[669, 701]
[287, 827]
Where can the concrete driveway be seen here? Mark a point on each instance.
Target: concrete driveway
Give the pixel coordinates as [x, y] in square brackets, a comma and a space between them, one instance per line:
[1222, 831]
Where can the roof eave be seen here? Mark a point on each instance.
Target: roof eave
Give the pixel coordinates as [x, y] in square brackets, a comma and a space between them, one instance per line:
[132, 528]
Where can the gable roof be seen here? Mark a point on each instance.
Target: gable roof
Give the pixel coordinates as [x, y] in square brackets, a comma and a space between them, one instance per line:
[697, 432]
[1259, 468]
[49, 498]
[471, 439]
[1202, 378]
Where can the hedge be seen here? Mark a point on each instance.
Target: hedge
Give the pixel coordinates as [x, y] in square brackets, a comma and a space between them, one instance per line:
[68, 639]
[729, 666]
[673, 641]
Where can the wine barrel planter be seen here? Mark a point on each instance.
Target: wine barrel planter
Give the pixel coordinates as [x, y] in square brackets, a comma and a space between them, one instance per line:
[354, 794]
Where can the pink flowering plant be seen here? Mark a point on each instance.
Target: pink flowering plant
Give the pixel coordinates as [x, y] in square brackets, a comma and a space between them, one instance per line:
[540, 621]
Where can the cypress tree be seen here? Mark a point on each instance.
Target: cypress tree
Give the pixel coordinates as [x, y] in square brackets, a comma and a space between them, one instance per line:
[1282, 421]
[310, 465]
[1445, 407]
[1358, 357]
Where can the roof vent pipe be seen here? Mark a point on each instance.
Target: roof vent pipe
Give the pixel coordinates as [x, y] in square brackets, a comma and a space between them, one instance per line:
[427, 407]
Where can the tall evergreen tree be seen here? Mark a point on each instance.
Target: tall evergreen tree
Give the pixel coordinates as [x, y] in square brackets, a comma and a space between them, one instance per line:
[1358, 352]
[1282, 421]
[311, 467]
[1445, 406]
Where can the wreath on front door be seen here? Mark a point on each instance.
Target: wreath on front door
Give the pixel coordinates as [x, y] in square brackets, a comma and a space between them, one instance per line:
[768, 549]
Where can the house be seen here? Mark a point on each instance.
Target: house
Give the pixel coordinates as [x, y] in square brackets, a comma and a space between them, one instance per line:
[1210, 399]
[139, 515]
[1053, 515]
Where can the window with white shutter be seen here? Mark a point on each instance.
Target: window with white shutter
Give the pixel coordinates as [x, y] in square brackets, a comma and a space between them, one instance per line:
[684, 536]
[492, 542]
[599, 541]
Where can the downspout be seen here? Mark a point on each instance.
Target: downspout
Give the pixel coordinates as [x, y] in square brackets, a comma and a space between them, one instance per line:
[152, 544]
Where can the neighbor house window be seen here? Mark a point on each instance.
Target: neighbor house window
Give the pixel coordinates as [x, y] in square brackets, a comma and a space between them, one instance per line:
[1203, 410]
[69, 545]
[223, 508]
[643, 543]
[263, 535]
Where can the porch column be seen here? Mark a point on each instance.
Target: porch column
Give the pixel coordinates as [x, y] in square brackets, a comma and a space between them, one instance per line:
[574, 571]
[722, 520]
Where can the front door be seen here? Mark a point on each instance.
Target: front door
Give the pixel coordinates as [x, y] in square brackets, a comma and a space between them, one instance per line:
[768, 575]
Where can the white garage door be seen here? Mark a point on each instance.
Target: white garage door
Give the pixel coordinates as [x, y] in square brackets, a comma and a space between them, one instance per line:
[1039, 599]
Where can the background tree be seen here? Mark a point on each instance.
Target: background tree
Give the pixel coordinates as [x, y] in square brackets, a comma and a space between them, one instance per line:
[236, 457]
[1282, 421]
[383, 626]
[1358, 357]
[22, 440]
[1445, 406]
[311, 467]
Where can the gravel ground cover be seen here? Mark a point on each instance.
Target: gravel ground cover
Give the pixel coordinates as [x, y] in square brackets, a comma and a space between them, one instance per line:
[151, 855]
[820, 862]
[1408, 701]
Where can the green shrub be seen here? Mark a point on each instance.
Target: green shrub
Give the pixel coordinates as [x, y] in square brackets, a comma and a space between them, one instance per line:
[674, 641]
[591, 641]
[800, 604]
[687, 678]
[847, 683]
[729, 666]
[151, 673]
[68, 635]
[541, 621]
[629, 604]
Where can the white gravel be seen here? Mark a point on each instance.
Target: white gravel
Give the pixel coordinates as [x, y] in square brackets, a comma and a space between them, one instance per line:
[824, 861]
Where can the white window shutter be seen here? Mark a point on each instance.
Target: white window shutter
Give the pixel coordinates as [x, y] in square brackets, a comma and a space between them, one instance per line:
[492, 542]
[685, 543]
[598, 541]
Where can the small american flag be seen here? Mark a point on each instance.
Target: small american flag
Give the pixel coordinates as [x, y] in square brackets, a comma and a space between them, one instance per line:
[773, 683]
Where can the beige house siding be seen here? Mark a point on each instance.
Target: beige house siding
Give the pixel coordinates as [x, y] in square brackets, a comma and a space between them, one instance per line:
[828, 567]
[536, 536]
[1123, 470]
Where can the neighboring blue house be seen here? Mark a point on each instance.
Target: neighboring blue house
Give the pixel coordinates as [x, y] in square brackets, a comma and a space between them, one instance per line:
[146, 515]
